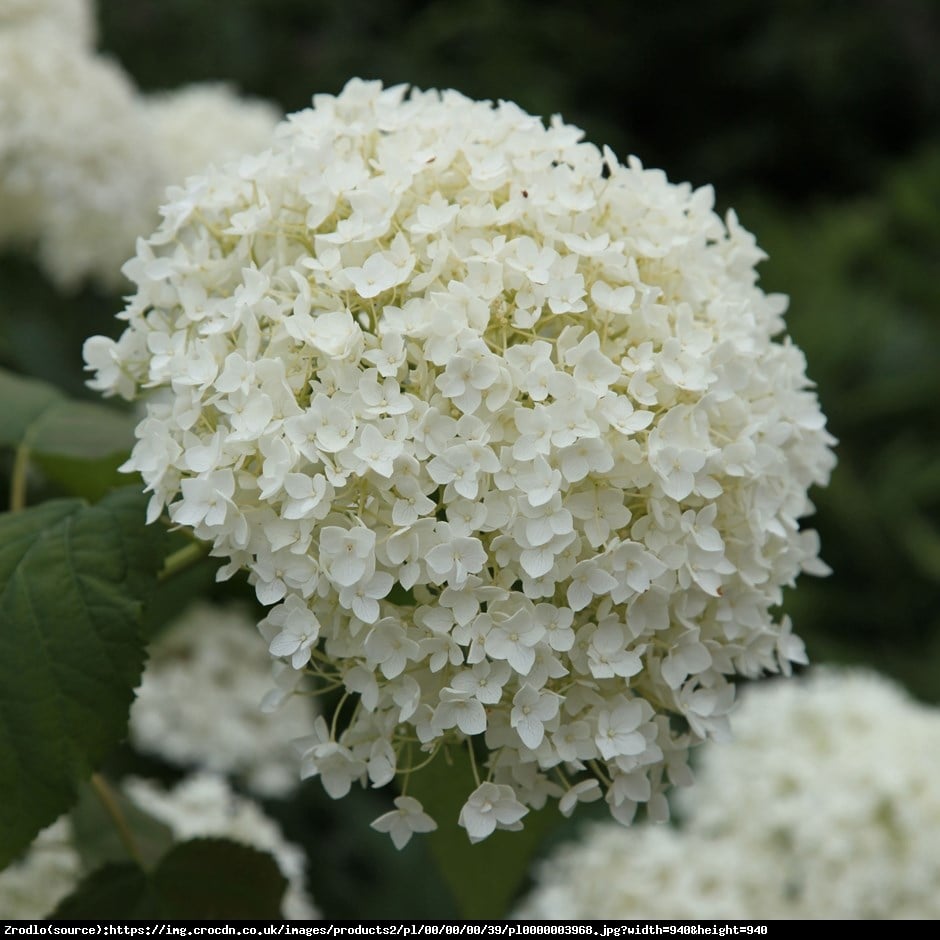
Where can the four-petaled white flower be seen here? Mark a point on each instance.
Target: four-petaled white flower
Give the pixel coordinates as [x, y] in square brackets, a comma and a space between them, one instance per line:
[401, 823]
[491, 807]
[462, 710]
[587, 791]
[531, 709]
[618, 731]
[455, 559]
[299, 631]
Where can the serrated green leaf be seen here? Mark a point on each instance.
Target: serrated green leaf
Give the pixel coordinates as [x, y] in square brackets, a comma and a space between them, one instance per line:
[484, 877]
[74, 579]
[41, 417]
[218, 878]
[115, 891]
[200, 879]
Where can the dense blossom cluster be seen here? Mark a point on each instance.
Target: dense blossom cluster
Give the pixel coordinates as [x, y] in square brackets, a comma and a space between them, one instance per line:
[85, 158]
[202, 805]
[499, 425]
[199, 702]
[825, 806]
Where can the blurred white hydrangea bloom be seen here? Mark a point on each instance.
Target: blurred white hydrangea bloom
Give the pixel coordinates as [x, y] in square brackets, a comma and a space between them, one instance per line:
[78, 176]
[199, 702]
[645, 872]
[84, 158]
[48, 871]
[500, 426]
[825, 806]
[73, 19]
[202, 124]
[203, 806]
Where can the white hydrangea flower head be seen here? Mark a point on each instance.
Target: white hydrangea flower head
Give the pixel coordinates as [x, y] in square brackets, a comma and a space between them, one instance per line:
[85, 159]
[78, 176]
[204, 806]
[207, 123]
[824, 806]
[199, 702]
[499, 424]
[646, 872]
[842, 794]
[73, 19]
[47, 872]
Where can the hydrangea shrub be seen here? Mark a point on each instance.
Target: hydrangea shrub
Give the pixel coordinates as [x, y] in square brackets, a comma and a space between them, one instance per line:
[503, 429]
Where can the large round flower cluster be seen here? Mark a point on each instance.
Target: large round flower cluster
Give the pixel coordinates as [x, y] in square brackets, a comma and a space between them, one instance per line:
[499, 425]
[825, 806]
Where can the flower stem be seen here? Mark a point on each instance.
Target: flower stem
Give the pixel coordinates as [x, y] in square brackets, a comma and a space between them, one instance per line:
[18, 480]
[407, 771]
[335, 721]
[473, 761]
[109, 801]
[181, 559]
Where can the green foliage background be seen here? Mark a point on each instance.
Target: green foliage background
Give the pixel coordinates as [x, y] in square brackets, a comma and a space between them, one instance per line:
[819, 123]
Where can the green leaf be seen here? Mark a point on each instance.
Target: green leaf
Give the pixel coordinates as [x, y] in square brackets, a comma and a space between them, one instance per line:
[484, 877]
[216, 878]
[115, 891]
[41, 417]
[24, 403]
[74, 579]
[77, 445]
[81, 429]
[89, 479]
[203, 878]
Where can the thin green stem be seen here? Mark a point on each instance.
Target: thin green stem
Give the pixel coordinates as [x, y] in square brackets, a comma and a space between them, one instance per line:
[325, 690]
[405, 775]
[180, 560]
[473, 761]
[599, 773]
[18, 481]
[407, 771]
[335, 721]
[109, 801]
